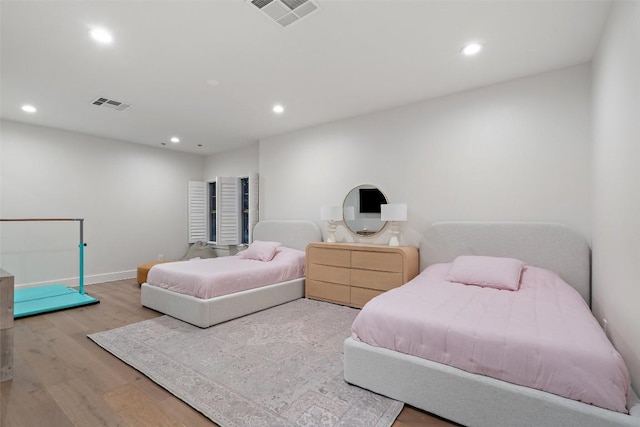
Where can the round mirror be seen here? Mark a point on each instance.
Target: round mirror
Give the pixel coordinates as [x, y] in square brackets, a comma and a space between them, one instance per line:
[361, 210]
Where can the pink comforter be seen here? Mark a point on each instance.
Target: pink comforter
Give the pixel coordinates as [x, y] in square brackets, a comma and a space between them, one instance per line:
[542, 336]
[213, 277]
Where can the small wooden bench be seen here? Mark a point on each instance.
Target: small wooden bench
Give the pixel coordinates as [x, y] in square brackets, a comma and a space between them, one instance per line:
[143, 270]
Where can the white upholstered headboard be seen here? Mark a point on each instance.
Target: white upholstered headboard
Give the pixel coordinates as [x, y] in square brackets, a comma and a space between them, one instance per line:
[292, 234]
[551, 246]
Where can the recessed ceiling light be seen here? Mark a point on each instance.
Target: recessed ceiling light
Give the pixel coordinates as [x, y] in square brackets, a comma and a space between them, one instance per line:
[29, 109]
[278, 109]
[101, 35]
[175, 139]
[472, 48]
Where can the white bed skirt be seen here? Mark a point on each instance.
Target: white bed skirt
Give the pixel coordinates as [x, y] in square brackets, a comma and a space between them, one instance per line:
[208, 312]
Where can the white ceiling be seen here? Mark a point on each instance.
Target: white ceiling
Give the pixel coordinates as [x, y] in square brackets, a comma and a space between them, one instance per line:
[347, 59]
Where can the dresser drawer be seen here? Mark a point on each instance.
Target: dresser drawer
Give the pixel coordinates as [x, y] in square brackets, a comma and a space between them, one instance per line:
[380, 280]
[326, 273]
[335, 257]
[383, 261]
[327, 291]
[361, 296]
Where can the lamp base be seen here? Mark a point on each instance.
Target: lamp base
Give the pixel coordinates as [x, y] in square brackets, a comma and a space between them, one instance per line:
[331, 232]
[395, 233]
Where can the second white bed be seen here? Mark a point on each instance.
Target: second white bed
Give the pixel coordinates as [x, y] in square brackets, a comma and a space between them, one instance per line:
[220, 305]
[215, 277]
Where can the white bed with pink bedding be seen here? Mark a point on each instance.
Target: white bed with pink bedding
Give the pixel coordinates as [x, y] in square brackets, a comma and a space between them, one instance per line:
[527, 352]
[214, 277]
[541, 336]
[211, 291]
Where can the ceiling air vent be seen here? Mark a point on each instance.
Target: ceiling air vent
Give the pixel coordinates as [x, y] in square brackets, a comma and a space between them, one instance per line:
[285, 12]
[110, 103]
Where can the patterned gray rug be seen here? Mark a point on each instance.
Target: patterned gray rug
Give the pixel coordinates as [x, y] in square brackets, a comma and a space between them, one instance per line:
[277, 367]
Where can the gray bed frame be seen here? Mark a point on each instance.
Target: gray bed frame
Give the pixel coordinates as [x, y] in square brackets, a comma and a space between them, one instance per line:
[471, 399]
[208, 312]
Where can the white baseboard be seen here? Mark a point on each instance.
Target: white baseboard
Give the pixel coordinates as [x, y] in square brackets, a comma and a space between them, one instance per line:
[88, 280]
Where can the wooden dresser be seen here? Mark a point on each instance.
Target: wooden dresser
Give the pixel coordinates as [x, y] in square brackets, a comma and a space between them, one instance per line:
[353, 273]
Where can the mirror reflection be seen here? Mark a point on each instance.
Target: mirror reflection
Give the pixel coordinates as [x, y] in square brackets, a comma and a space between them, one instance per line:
[361, 210]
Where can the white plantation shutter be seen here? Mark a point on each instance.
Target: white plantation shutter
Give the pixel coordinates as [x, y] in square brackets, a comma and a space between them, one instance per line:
[228, 227]
[253, 204]
[197, 227]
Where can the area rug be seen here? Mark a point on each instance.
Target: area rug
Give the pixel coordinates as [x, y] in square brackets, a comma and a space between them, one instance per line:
[278, 367]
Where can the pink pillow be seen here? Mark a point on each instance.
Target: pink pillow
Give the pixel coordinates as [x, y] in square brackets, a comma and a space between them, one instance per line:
[260, 251]
[487, 271]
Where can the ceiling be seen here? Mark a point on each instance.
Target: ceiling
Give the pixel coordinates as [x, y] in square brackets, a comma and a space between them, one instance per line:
[347, 59]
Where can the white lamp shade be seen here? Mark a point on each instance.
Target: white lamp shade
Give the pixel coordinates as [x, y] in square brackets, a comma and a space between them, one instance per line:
[331, 213]
[393, 212]
[349, 213]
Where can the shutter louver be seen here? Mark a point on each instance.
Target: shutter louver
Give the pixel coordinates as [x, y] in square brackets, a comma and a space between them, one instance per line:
[228, 211]
[197, 227]
[254, 213]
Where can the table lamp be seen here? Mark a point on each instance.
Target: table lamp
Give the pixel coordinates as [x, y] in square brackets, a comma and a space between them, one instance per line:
[331, 214]
[394, 213]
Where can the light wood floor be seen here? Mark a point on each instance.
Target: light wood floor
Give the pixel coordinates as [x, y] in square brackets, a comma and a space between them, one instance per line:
[61, 378]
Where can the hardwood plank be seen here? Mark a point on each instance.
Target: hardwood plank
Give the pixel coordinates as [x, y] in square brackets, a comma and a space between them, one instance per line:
[83, 406]
[185, 413]
[83, 362]
[138, 409]
[111, 363]
[151, 388]
[63, 321]
[122, 370]
[96, 318]
[43, 361]
[62, 378]
[26, 402]
[36, 323]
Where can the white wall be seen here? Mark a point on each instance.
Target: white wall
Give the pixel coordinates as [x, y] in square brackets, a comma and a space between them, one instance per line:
[616, 178]
[133, 199]
[241, 162]
[518, 150]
